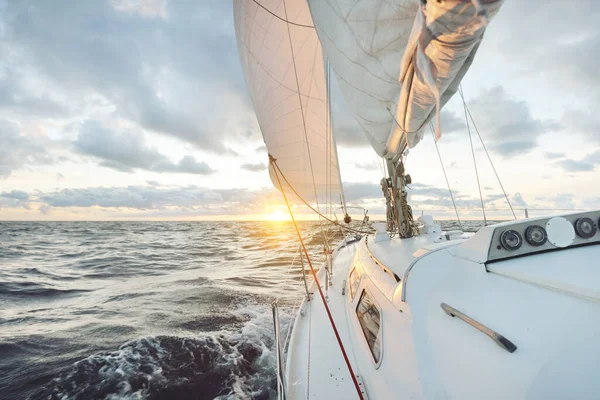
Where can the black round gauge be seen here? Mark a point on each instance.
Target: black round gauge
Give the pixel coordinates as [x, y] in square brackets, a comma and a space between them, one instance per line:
[536, 235]
[585, 227]
[511, 240]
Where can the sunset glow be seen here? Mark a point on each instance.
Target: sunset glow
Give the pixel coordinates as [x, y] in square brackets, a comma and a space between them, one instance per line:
[278, 215]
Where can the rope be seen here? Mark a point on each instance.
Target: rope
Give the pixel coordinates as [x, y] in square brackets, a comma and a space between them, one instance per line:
[460, 91]
[273, 161]
[445, 176]
[282, 19]
[475, 164]
[316, 279]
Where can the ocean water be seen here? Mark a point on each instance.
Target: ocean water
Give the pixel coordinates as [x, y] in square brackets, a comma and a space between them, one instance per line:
[146, 310]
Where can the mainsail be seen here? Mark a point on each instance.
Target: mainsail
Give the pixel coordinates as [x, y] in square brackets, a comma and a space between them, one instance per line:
[396, 60]
[284, 68]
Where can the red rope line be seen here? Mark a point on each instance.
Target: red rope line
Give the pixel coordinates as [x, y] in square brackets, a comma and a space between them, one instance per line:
[314, 274]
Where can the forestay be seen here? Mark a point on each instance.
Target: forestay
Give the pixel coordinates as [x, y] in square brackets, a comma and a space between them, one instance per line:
[394, 59]
[284, 68]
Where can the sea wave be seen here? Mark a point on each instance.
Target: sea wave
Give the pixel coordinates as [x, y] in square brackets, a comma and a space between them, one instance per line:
[222, 365]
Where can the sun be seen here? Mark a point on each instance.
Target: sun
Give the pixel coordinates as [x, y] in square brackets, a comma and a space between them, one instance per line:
[278, 215]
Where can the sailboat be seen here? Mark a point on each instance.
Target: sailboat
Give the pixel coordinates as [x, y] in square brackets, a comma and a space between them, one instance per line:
[402, 309]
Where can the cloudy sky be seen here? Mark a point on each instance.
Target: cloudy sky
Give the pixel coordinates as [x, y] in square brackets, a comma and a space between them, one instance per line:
[137, 109]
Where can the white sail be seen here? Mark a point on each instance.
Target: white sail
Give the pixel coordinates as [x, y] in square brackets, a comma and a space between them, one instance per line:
[364, 41]
[283, 64]
[372, 46]
[440, 50]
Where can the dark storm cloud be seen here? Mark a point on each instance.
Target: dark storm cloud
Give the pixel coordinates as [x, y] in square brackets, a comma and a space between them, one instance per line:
[126, 152]
[254, 167]
[17, 150]
[173, 71]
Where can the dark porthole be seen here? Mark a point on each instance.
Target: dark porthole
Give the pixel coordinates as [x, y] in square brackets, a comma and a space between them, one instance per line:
[369, 318]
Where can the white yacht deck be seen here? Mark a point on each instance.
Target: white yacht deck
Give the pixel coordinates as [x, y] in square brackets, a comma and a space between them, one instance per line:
[313, 341]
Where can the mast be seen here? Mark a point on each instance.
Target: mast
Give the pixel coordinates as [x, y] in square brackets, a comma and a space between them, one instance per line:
[397, 69]
[398, 212]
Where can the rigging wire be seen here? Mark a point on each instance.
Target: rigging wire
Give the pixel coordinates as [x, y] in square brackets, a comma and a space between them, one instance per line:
[445, 176]
[475, 164]
[276, 168]
[318, 285]
[460, 91]
[282, 19]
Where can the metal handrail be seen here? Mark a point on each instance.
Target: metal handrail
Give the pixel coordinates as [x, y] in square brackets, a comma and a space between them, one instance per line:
[495, 336]
[281, 384]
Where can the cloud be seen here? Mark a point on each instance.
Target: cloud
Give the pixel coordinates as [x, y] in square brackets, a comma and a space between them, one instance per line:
[254, 167]
[518, 201]
[346, 129]
[553, 156]
[372, 166]
[17, 151]
[143, 198]
[145, 8]
[584, 122]
[564, 200]
[141, 59]
[451, 123]
[586, 164]
[356, 191]
[14, 198]
[566, 56]
[17, 99]
[507, 126]
[126, 152]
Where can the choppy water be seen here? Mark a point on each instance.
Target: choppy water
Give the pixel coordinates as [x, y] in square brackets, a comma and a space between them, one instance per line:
[144, 310]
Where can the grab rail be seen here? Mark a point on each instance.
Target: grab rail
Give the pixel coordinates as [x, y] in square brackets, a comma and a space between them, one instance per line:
[495, 336]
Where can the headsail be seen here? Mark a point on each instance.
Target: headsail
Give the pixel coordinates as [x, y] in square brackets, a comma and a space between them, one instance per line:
[373, 46]
[364, 41]
[283, 64]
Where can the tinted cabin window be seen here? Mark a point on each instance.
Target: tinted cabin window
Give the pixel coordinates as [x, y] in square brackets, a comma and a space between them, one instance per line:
[353, 282]
[369, 318]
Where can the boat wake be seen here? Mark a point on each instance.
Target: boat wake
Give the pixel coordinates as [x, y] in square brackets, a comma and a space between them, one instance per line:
[221, 365]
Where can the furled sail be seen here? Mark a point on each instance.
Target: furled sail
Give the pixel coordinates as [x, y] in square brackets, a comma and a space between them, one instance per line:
[394, 59]
[282, 60]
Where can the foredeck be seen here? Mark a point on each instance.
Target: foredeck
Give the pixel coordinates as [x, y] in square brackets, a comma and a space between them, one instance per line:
[313, 342]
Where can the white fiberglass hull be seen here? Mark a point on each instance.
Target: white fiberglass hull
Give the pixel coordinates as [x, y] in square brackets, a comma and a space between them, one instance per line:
[546, 305]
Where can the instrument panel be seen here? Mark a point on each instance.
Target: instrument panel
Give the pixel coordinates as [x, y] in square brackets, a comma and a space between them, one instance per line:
[544, 234]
